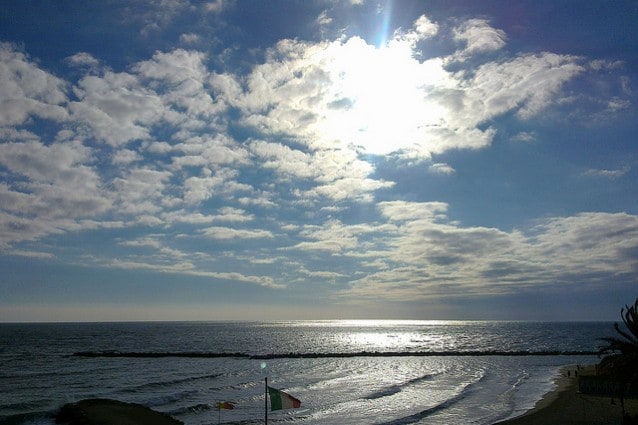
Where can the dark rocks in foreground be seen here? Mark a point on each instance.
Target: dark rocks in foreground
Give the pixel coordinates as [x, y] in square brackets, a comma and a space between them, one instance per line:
[99, 411]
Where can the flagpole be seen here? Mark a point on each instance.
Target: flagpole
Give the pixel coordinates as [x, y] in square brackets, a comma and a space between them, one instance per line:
[266, 402]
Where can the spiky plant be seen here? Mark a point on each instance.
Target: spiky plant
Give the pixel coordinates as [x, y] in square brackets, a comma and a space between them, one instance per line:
[621, 352]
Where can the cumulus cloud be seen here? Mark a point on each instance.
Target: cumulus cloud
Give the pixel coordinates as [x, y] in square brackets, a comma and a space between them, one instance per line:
[440, 168]
[151, 16]
[51, 183]
[141, 191]
[526, 85]
[332, 237]
[116, 108]
[216, 6]
[230, 233]
[382, 100]
[479, 37]
[188, 38]
[83, 59]
[26, 90]
[431, 256]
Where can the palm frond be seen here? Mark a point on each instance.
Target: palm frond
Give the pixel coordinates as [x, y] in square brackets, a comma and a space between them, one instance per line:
[621, 351]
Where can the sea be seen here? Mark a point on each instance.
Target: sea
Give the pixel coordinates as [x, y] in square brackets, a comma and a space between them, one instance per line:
[343, 371]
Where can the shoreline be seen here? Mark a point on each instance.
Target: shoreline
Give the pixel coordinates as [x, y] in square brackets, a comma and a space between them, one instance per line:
[566, 405]
[563, 405]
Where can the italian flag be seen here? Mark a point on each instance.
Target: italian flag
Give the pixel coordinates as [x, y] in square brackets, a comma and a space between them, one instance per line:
[281, 400]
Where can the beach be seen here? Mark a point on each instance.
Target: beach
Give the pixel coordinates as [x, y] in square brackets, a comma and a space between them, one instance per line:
[565, 405]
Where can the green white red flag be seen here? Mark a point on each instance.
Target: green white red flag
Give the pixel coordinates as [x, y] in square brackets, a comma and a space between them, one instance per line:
[281, 400]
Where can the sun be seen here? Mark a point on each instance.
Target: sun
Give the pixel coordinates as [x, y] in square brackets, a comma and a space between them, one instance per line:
[382, 98]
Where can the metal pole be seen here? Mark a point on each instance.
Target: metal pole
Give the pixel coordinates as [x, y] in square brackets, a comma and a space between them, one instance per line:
[266, 402]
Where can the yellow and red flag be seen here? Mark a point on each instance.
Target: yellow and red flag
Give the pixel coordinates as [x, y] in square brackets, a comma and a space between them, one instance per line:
[224, 405]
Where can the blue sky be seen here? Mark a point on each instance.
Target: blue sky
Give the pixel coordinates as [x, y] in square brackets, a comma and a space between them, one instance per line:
[178, 160]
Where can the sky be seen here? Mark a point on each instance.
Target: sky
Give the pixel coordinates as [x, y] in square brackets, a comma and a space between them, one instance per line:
[318, 159]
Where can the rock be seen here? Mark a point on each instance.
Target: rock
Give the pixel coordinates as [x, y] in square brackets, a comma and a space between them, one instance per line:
[98, 411]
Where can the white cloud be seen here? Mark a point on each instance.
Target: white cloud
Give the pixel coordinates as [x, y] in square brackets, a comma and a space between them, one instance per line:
[524, 136]
[52, 181]
[154, 15]
[286, 161]
[233, 215]
[349, 93]
[116, 108]
[141, 191]
[126, 156]
[262, 200]
[189, 38]
[332, 237]
[32, 254]
[402, 210]
[339, 174]
[479, 37]
[617, 104]
[183, 77]
[425, 28]
[349, 189]
[610, 174]
[159, 147]
[199, 188]
[587, 243]
[527, 84]
[441, 168]
[324, 19]
[625, 83]
[26, 90]
[216, 6]
[304, 120]
[83, 59]
[228, 233]
[430, 256]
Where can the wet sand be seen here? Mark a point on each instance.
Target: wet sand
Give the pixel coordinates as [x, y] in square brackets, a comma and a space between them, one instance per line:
[566, 406]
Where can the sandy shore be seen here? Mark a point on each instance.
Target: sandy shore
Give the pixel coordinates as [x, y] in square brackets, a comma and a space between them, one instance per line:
[566, 406]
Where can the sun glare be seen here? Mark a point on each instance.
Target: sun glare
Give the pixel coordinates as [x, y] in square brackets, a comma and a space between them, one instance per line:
[383, 96]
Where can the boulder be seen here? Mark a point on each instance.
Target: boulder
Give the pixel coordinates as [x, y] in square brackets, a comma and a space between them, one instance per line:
[99, 411]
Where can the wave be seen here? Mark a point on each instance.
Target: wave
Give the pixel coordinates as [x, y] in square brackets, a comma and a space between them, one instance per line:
[394, 389]
[197, 408]
[165, 383]
[416, 417]
[28, 418]
[313, 355]
[508, 396]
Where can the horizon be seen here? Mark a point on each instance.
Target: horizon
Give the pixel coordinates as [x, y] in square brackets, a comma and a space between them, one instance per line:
[318, 321]
[188, 161]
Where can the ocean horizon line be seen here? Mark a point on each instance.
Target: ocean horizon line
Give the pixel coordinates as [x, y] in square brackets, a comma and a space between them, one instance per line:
[309, 321]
